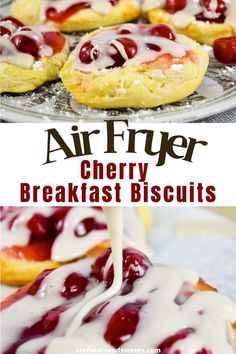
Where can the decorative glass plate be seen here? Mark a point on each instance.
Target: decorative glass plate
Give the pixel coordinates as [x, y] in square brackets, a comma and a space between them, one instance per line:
[52, 102]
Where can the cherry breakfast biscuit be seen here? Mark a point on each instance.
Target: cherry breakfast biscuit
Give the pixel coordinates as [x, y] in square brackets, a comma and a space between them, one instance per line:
[76, 15]
[134, 65]
[158, 307]
[34, 239]
[201, 20]
[30, 55]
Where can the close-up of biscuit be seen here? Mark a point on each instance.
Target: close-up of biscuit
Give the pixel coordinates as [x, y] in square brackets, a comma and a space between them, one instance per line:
[21, 264]
[30, 56]
[205, 34]
[199, 20]
[133, 76]
[107, 14]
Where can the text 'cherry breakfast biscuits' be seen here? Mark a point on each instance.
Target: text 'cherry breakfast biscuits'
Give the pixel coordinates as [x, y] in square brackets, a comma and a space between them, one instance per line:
[136, 66]
[202, 20]
[34, 239]
[158, 307]
[30, 55]
[76, 15]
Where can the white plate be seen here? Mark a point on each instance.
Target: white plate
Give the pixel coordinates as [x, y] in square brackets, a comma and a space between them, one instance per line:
[212, 255]
[52, 102]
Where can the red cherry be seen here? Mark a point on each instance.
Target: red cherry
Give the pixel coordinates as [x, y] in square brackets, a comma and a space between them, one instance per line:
[123, 323]
[135, 265]
[55, 40]
[173, 6]
[124, 31]
[74, 285]
[12, 20]
[204, 351]
[130, 48]
[225, 50]
[56, 221]
[163, 31]
[34, 288]
[87, 225]
[87, 54]
[201, 17]
[25, 45]
[61, 16]
[168, 343]
[42, 350]
[152, 46]
[4, 30]
[38, 225]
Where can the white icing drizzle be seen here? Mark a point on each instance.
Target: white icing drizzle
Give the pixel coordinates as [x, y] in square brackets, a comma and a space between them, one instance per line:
[9, 26]
[10, 54]
[183, 18]
[19, 234]
[208, 313]
[67, 246]
[102, 7]
[102, 43]
[115, 220]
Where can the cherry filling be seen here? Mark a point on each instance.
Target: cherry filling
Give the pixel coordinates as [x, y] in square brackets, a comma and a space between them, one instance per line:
[172, 6]
[123, 323]
[88, 52]
[74, 285]
[11, 20]
[167, 344]
[220, 11]
[225, 50]
[87, 225]
[60, 16]
[135, 265]
[28, 45]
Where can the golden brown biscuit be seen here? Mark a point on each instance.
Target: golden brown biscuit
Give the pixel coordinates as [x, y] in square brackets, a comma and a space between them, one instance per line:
[29, 11]
[30, 56]
[140, 82]
[20, 265]
[202, 31]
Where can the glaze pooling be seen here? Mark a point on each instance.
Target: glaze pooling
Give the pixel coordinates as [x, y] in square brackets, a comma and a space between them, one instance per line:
[10, 53]
[129, 45]
[207, 314]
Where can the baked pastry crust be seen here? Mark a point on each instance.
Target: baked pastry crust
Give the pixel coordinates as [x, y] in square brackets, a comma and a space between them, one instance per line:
[205, 34]
[17, 79]
[28, 11]
[20, 272]
[134, 87]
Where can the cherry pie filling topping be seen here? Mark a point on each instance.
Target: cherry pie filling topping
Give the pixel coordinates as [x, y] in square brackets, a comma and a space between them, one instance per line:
[130, 45]
[147, 317]
[41, 229]
[23, 45]
[58, 11]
